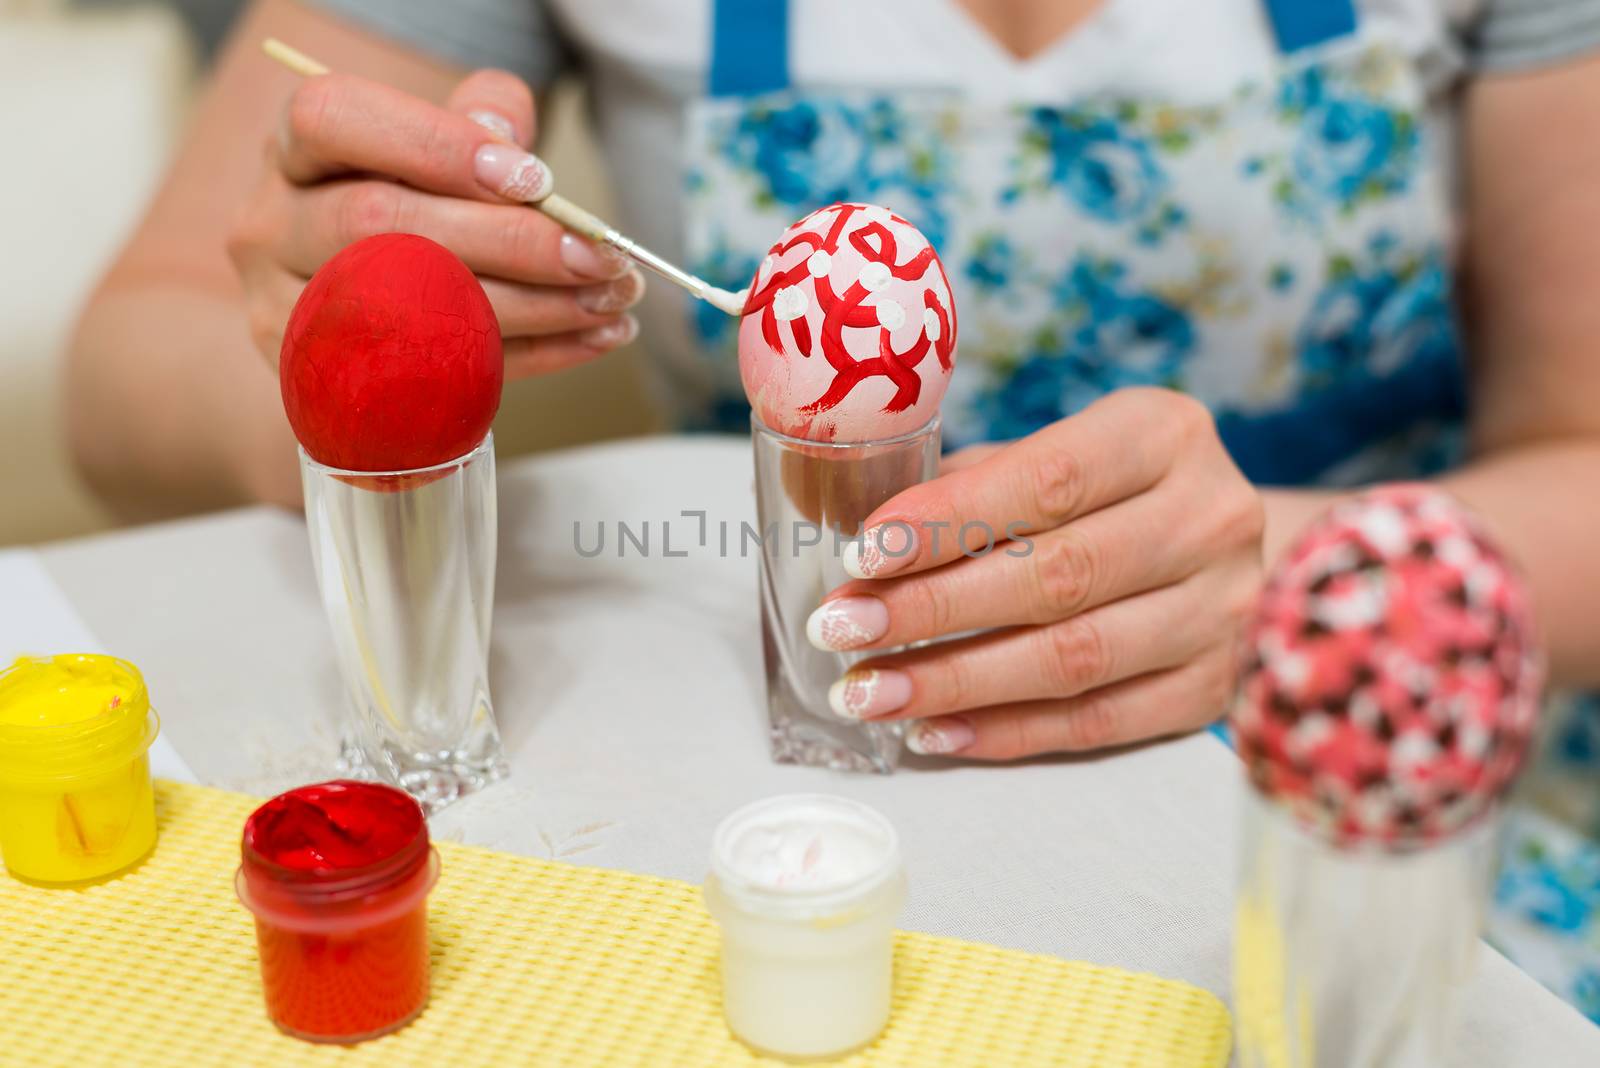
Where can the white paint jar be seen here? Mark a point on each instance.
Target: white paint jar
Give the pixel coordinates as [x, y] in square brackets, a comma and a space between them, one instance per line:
[807, 889]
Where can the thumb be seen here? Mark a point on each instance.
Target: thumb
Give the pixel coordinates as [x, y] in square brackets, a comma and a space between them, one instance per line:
[500, 102]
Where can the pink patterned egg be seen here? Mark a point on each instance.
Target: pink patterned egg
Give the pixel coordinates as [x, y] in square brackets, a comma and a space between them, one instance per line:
[849, 332]
[1392, 679]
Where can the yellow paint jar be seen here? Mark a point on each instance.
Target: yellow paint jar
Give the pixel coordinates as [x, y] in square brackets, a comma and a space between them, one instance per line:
[75, 797]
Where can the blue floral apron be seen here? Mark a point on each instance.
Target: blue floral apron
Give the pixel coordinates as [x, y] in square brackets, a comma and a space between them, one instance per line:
[1279, 253]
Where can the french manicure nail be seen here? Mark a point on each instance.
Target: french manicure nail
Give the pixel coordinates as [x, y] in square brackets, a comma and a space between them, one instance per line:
[512, 173]
[881, 550]
[585, 258]
[611, 335]
[848, 623]
[612, 297]
[866, 693]
[496, 124]
[939, 737]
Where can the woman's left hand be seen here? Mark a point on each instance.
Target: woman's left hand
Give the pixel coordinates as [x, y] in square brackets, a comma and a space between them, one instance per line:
[1126, 556]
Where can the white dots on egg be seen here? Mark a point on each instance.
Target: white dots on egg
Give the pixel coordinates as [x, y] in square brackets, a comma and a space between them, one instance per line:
[819, 264]
[790, 302]
[874, 276]
[930, 324]
[891, 315]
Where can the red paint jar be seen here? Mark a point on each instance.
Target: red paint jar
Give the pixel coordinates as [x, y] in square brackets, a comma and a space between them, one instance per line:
[337, 875]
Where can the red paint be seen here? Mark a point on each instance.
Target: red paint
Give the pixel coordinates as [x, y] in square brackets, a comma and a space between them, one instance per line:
[337, 875]
[802, 336]
[391, 360]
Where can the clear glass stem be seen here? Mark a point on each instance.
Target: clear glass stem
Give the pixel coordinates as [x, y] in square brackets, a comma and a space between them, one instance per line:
[811, 501]
[1352, 958]
[405, 563]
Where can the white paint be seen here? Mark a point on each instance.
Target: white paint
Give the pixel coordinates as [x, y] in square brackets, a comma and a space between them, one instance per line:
[891, 315]
[1482, 579]
[806, 888]
[790, 302]
[1385, 528]
[1312, 730]
[819, 264]
[804, 846]
[874, 276]
[1292, 669]
[1364, 603]
[1456, 551]
[930, 324]
[1412, 750]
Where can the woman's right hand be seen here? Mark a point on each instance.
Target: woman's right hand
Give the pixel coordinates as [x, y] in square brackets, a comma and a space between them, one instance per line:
[354, 158]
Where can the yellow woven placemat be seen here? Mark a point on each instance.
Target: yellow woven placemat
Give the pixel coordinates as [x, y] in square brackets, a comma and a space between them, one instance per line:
[534, 963]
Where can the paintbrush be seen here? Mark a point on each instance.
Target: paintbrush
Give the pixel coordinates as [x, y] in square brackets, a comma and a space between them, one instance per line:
[563, 211]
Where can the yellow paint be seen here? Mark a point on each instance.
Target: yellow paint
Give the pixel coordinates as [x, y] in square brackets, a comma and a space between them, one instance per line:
[75, 798]
[64, 689]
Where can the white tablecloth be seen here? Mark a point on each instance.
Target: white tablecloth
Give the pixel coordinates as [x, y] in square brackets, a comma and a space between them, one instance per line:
[630, 696]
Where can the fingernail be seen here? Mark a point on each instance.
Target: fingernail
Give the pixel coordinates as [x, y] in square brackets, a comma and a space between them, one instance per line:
[613, 297]
[512, 173]
[939, 737]
[611, 335]
[848, 623]
[588, 259]
[869, 692]
[497, 124]
[881, 550]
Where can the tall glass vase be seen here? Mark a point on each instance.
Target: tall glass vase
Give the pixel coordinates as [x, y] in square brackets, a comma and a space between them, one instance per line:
[405, 564]
[812, 499]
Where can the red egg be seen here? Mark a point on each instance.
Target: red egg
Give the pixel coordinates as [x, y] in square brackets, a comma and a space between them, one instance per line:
[391, 360]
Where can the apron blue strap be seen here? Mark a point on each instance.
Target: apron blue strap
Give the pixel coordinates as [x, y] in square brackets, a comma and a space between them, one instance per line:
[749, 47]
[1303, 23]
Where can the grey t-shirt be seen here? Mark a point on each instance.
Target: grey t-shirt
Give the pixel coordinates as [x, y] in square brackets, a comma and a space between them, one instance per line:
[1510, 35]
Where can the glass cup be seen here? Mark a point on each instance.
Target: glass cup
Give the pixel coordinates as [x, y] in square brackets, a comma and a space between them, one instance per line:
[405, 562]
[1352, 956]
[812, 499]
[806, 889]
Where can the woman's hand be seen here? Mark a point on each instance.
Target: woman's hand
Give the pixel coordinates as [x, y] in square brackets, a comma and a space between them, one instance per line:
[354, 158]
[1126, 557]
